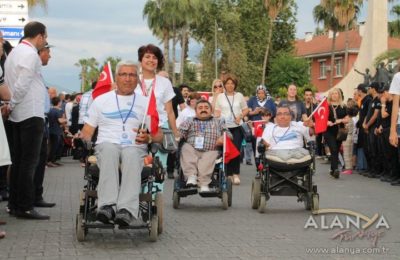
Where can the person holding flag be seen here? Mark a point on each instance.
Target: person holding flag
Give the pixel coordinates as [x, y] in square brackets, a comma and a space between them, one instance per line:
[121, 144]
[160, 88]
[203, 134]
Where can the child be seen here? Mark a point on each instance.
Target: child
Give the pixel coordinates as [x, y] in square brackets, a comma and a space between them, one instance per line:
[258, 129]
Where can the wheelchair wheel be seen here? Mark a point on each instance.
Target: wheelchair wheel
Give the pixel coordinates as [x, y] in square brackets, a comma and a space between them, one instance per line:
[225, 200]
[79, 230]
[175, 200]
[315, 202]
[160, 205]
[154, 228]
[255, 193]
[229, 188]
[262, 204]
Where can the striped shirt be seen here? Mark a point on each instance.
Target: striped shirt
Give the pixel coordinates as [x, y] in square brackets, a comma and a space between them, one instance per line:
[210, 129]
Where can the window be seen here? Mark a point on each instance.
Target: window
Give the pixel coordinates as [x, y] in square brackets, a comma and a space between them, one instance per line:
[338, 67]
[322, 69]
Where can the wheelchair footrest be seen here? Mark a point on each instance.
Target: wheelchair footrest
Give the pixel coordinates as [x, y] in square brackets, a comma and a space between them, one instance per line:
[134, 226]
[187, 191]
[211, 193]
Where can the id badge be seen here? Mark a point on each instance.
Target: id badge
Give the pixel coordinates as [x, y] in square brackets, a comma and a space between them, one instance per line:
[125, 139]
[199, 142]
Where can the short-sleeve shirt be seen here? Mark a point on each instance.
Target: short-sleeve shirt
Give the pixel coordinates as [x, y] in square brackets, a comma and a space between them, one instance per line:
[54, 124]
[395, 89]
[224, 104]
[297, 107]
[163, 93]
[385, 122]
[291, 137]
[105, 114]
[374, 105]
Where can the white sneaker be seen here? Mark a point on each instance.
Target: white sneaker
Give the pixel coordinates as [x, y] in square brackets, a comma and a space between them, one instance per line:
[191, 181]
[205, 188]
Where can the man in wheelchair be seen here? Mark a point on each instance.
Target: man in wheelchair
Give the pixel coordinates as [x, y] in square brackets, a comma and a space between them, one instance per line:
[121, 146]
[203, 134]
[284, 140]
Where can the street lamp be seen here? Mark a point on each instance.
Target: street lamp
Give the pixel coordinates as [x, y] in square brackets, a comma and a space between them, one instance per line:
[216, 29]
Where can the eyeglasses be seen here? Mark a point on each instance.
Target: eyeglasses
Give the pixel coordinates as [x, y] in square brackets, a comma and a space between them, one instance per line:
[130, 75]
[283, 114]
[217, 86]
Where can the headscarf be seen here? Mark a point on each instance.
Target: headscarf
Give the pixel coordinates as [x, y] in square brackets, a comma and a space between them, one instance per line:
[267, 95]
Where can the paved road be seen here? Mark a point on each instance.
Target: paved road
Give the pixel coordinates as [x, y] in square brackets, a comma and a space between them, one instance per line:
[201, 229]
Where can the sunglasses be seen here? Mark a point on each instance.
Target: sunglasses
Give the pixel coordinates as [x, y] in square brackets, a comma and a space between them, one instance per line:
[217, 86]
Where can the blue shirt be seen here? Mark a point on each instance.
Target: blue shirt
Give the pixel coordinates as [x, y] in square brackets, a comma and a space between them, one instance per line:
[253, 104]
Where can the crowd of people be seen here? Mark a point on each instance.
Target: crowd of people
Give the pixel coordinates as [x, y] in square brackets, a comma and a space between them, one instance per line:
[41, 126]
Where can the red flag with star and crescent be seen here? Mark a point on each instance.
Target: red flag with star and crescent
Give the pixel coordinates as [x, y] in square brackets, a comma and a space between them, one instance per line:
[204, 95]
[321, 116]
[258, 127]
[104, 82]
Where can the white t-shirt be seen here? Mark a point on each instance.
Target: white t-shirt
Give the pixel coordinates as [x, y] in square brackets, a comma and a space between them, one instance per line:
[238, 104]
[395, 89]
[186, 113]
[68, 110]
[104, 113]
[163, 93]
[286, 137]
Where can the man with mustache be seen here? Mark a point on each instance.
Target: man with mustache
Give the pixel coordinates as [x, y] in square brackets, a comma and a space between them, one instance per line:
[203, 135]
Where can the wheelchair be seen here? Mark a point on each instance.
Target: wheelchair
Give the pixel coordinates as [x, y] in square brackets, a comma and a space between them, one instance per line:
[284, 179]
[220, 186]
[150, 199]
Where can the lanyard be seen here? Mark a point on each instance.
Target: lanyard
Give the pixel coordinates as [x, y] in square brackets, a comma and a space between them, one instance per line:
[130, 110]
[146, 90]
[28, 43]
[280, 138]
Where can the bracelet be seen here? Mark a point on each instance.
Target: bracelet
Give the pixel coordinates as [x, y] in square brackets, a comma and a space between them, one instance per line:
[383, 105]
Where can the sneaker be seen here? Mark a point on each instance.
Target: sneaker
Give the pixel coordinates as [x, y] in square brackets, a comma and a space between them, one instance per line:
[236, 179]
[335, 174]
[348, 172]
[123, 218]
[105, 214]
[204, 188]
[192, 181]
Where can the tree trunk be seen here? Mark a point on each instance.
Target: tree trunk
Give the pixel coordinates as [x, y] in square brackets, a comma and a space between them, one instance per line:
[332, 60]
[346, 51]
[183, 51]
[174, 40]
[166, 48]
[83, 75]
[269, 39]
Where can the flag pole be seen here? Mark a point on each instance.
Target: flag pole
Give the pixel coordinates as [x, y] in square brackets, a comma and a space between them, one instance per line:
[223, 154]
[147, 107]
[315, 110]
[110, 71]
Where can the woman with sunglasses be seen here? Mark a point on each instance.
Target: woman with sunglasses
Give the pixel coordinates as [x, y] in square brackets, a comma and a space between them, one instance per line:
[216, 89]
[232, 107]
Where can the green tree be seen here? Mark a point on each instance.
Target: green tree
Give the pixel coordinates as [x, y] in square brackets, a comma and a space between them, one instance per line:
[274, 8]
[286, 69]
[394, 26]
[89, 72]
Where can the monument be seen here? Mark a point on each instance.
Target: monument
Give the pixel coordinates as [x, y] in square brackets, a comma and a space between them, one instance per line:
[374, 42]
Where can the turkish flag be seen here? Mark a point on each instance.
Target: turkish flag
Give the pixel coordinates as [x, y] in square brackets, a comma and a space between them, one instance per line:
[103, 83]
[258, 128]
[204, 95]
[321, 116]
[230, 151]
[152, 112]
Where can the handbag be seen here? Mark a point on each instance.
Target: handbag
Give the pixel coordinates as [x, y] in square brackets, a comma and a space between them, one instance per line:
[169, 144]
[244, 127]
[342, 130]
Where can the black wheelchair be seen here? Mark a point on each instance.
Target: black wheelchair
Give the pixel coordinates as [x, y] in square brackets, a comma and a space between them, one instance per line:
[150, 199]
[284, 179]
[220, 185]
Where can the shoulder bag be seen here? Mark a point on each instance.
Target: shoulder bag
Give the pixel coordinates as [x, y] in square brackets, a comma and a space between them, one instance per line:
[342, 130]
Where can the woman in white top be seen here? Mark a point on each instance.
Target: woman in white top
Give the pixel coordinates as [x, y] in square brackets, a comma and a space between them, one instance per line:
[151, 59]
[189, 110]
[232, 107]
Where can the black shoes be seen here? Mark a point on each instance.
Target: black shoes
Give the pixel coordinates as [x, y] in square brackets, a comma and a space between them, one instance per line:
[170, 175]
[44, 204]
[395, 182]
[105, 214]
[123, 218]
[335, 174]
[31, 214]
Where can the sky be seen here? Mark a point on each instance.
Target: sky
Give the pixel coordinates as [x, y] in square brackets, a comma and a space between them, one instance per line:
[93, 28]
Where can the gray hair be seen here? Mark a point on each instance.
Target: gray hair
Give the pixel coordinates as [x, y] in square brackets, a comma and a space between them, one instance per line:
[126, 63]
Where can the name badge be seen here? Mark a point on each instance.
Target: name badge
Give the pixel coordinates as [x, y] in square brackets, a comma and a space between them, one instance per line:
[125, 139]
[199, 142]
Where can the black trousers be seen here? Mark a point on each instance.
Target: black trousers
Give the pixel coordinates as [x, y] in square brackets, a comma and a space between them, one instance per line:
[233, 167]
[40, 169]
[27, 141]
[54, 144]
[375, 158]
[334, 146]
[171, 159]
[391, 157]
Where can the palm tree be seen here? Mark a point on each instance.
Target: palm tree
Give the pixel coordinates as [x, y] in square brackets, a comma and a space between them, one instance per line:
[89, 71]
[274, 7]
[324, 13]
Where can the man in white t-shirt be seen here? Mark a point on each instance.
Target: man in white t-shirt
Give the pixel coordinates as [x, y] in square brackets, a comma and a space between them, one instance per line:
[285, 138]
[395, 120]
[118, 114]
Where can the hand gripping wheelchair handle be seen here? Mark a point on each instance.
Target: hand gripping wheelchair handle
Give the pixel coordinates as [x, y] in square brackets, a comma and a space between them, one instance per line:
[261, 148]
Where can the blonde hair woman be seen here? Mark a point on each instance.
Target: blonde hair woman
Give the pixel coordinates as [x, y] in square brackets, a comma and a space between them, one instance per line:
[216, 89]
[337, 118]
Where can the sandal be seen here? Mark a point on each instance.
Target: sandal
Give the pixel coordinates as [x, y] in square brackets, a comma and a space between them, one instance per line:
[2, 234]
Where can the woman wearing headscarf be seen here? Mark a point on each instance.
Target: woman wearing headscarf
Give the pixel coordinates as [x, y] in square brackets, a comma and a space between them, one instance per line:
[262, 99]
